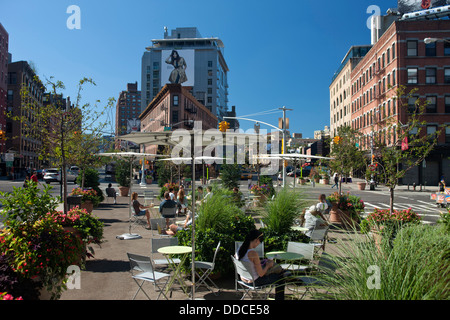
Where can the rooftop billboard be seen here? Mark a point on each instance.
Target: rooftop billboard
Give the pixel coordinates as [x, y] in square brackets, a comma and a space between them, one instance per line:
[405, 6]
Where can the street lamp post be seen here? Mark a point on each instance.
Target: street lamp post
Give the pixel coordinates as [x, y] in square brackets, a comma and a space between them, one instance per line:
[431, 40]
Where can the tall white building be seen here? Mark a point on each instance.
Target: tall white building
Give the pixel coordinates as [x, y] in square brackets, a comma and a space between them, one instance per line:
[187, 58]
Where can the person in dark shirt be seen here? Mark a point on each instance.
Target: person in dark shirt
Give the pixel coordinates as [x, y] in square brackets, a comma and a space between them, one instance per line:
[139, 209]
[167, 203]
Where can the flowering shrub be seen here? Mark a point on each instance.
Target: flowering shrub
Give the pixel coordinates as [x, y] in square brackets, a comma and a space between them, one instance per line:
[90, 229]
[41, 249]
[87, 195]
[349, 203]
[7, 296]
[263, 189]
[167, 186]
[45, 248]
[379, 217]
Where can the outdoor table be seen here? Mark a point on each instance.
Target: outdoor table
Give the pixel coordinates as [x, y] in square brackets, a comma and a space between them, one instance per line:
[302, 229]
[155, 211]
[168, 252]
[287, 257]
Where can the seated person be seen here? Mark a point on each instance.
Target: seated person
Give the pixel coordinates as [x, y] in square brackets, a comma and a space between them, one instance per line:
[323, 206]
[139, 209]
[247, 253]
[314, 220]
[167, 203]
[173, 228]
[111, 192]
[209, 193]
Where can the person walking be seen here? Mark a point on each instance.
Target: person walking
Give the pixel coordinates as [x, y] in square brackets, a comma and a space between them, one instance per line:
[336, 181]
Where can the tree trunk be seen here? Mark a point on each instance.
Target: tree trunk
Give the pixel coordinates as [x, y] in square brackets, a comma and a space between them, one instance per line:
[391, 199]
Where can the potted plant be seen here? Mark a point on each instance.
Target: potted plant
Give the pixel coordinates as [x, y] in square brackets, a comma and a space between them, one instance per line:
[324, 179]
[345, 209]
[148, 179]
[123, 177]
[383, 223]
[89, 198]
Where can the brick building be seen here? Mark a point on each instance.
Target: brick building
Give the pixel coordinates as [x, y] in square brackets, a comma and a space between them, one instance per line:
[20, 140]
[400, 57]
[4, 38]
[174, 107]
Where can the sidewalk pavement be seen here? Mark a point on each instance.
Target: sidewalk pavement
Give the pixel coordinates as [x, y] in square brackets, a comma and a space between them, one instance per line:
[107, 275]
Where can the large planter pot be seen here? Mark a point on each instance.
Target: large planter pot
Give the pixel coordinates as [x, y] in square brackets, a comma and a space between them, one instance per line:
[361, 185]
[335, 217]
[316, 180]
[302, 181]
[148, 181]
[324, 181]
[88, 205]
[123, 191]
[260, 201]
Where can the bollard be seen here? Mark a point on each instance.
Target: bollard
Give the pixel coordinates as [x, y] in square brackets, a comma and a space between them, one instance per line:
[414, 186]
[408, 187]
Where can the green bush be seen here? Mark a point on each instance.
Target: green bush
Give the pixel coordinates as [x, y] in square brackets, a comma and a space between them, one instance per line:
[122, 169]
[91, 180]
[415, 266]
[281, 212]
[230, 175]
[219, 219]
[267, 180]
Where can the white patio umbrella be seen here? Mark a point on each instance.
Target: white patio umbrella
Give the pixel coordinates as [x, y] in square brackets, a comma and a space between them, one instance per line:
[132, 156]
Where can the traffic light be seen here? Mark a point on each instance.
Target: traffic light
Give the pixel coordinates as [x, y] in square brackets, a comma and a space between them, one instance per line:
[2, 135]
[337, 139]
[224, 126]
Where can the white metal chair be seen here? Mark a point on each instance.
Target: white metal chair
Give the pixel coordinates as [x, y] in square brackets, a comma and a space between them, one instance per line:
[148, 195]
[137, 220]
[242, 270]
[325, 268]
[305, 249]
[144, 266]
[318, 238]
[163, 242]
[207, 268]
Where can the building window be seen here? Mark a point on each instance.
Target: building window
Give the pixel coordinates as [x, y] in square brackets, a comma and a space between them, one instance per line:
[431, 131]
[393, 51]
[447, 104]
[209, 82]
[393, 77]
[175, 100]
[447, 135]
[447, 75]
[155, 65]
[412, 47]
[431, 104]
[430, 75]
[210, 64]
[446, 48]
[412, 75]
[175, 117]
[412, 104]
[430, 49]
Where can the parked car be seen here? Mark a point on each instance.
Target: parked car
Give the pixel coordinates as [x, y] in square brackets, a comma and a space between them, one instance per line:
[246, 175]
[54, 175]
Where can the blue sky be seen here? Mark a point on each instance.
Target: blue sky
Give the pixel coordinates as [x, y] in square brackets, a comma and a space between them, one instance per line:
[280, 53]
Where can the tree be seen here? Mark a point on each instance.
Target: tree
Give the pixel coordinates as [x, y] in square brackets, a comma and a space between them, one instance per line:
[230, 175]
[65, 131]
[346, 154]
[405, 145]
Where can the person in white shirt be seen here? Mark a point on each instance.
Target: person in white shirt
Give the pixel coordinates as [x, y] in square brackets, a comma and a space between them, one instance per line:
[314, 220]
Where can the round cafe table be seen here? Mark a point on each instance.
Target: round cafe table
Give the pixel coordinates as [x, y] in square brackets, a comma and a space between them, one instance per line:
[168, 252]
[287, 257]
